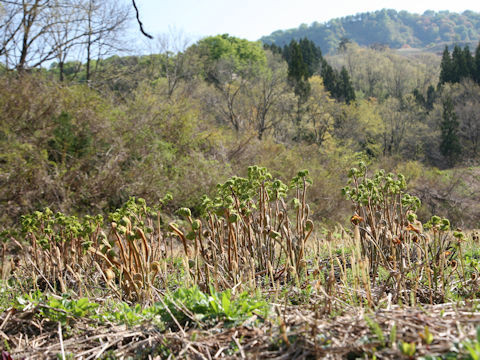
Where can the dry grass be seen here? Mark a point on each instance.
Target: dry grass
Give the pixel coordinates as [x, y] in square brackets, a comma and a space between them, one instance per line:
[297, 332]
[374, 291]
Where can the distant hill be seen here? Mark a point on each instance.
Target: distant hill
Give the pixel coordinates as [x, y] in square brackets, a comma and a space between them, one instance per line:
[388, 27]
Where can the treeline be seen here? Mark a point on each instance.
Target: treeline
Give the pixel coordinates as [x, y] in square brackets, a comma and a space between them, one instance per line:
[304, 60]
[460, 65]
[388, 28]
[458, 134]
[182, 121]
[36, 32]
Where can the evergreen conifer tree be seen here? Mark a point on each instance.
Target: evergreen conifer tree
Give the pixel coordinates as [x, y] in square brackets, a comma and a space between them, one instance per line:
[330, 79]
[476, 65]
[468, 58]
[460, 70]
[446, 67]
[347, 91]
[273, 48]
[419, 98]
[297, 70]
[304, 59]
[312, 55]
[450, 144]
[430, 97]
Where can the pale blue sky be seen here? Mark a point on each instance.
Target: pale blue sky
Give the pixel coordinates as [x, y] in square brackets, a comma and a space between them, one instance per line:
[252, 19]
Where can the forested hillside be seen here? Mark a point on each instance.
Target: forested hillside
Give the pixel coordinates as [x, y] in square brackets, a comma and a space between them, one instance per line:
[90, 133]
[387, 28]
[181, 122]
[232, 199]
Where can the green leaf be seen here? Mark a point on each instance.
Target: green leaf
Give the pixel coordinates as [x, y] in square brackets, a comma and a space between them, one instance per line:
[393, 334]
[226, 302]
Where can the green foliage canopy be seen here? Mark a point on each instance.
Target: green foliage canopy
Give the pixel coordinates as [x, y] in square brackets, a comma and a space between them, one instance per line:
[244, 56]
[389, 27]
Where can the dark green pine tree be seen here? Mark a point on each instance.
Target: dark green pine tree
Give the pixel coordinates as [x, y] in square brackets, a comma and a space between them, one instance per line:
[330, 79]
[419, 98]
[273, 48]
[460, 70]
[468, 58]
[446, 68]
[312, 55]
[297, 70]
[343, 44]
[450, 144]
[476, 65]
[428, 101]
[347, 92]
[430, 97]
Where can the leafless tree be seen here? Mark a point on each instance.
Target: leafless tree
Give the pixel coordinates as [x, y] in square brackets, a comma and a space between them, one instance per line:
[67, 33]
[266, 94]
[230, 87]
[169, 55]
[24, 32]
[105, 20]
[33, 32]
[467, 99]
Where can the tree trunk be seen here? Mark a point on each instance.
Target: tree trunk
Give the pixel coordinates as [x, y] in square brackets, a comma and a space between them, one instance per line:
[60, 66]
[88, 59]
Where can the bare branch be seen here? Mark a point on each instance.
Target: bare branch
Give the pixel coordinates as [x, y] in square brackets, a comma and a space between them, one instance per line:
[139, 22]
